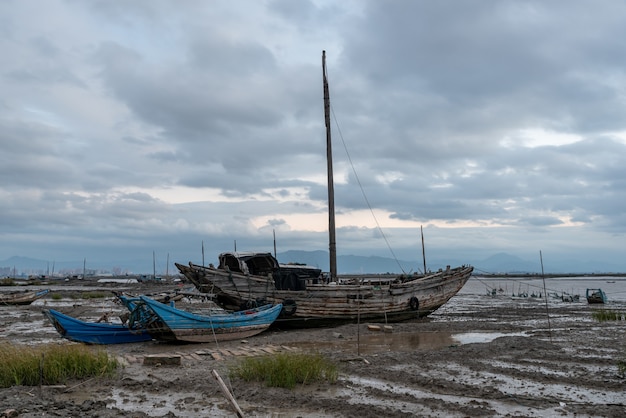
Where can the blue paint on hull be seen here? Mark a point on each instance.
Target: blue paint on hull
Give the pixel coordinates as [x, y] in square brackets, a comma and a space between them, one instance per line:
[93, 332]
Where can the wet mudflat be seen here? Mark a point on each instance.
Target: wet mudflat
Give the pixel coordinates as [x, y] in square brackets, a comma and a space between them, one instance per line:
[476, 356]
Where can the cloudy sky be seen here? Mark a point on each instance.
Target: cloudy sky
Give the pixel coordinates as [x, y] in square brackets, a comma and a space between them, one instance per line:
[128, 127]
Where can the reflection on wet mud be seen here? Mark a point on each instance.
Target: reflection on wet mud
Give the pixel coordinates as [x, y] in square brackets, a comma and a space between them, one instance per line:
[379, 342]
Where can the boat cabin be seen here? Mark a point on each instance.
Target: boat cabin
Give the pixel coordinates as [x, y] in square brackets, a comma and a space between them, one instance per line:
[286, 276]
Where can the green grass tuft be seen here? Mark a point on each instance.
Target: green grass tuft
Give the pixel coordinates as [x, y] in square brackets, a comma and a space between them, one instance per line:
[90, 295]
[621, 367]
[603, 315]
[51, 364]
[286, 370]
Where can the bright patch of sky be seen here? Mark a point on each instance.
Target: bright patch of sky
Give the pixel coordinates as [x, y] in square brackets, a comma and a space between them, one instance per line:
[538, 137]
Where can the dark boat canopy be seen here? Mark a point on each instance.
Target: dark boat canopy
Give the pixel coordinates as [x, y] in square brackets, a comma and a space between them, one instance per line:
[290, 276]
[258, 264]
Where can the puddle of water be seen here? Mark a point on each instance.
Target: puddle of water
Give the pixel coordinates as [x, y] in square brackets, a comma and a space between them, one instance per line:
[484, 337]
[382, 342]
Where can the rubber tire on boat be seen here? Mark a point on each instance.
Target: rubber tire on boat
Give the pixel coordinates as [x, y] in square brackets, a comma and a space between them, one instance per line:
[414, 303]
[289, 307]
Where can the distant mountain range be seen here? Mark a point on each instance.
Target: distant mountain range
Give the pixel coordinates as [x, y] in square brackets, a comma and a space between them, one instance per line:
[496, 264]
[501, 263]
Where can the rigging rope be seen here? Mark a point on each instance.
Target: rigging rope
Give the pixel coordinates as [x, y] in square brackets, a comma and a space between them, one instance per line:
[356, 176]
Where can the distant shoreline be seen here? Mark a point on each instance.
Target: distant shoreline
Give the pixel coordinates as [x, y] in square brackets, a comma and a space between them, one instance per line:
[548, 275]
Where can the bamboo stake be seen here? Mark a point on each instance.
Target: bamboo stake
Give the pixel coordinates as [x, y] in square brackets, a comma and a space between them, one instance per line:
[545, 294]
[227, 393]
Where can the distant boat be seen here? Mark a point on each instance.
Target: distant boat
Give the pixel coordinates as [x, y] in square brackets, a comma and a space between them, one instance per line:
[596, 296]
[253, 279]
[94, 332]
[167, 323]
[22, 298]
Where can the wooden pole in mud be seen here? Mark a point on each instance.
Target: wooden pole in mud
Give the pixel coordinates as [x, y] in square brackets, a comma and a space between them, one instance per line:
[227, 393]
[545, 295]
[332, 240]
[358, 320]
[423, 249]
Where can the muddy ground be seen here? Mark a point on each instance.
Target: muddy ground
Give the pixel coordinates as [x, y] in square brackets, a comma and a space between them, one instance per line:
[476, 356]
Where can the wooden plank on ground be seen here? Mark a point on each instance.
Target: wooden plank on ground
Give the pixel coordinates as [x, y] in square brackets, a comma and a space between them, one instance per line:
[162, 359]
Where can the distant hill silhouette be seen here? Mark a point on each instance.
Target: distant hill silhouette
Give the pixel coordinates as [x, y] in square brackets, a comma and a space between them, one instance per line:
[499, 263]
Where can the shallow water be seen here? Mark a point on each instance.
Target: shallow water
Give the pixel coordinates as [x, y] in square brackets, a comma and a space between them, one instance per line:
[614, 287]
[379, 342]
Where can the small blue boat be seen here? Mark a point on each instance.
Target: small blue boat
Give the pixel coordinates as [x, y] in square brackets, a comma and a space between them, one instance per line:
[596, 296]
[94, 332]
[169, 323]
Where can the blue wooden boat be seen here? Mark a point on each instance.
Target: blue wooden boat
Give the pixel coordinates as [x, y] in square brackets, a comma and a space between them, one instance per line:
[94, 332]
[169, 323]
[596, 296]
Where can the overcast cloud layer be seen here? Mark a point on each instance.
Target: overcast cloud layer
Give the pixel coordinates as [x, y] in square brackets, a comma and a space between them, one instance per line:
[133, 127]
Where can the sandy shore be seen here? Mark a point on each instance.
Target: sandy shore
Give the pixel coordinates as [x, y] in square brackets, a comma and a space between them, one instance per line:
[477, 356]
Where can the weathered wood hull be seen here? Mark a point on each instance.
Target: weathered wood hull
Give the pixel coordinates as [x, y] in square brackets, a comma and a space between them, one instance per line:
[22, 298]
[377, 297]
[189, 327]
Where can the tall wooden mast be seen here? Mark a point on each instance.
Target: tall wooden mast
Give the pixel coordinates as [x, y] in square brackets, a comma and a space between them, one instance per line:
[332, 243]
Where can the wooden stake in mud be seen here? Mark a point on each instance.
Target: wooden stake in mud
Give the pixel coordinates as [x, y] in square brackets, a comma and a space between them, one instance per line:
[227, 393]
[423, 249]
[545, 296]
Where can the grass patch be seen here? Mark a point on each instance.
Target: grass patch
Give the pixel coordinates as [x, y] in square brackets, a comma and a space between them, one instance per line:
[82, 295]
[51, 364]
[7, 281]
[90, 295]
[603, 315]
[621, 367]
[285, 370]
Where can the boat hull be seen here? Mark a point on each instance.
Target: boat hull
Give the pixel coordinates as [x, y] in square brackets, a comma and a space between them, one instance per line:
[595, 296]
[185, 326]
[92, 332]
[22, 298]
[365, 298]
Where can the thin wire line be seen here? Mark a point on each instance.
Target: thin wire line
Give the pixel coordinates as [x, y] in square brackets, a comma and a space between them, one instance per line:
[345, 147]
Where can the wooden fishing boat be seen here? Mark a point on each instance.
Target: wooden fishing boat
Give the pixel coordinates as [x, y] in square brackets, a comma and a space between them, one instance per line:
[595, 296]
[315, 302]
[22, 298]
[240, 281]
[94, 332]
[186, 326]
